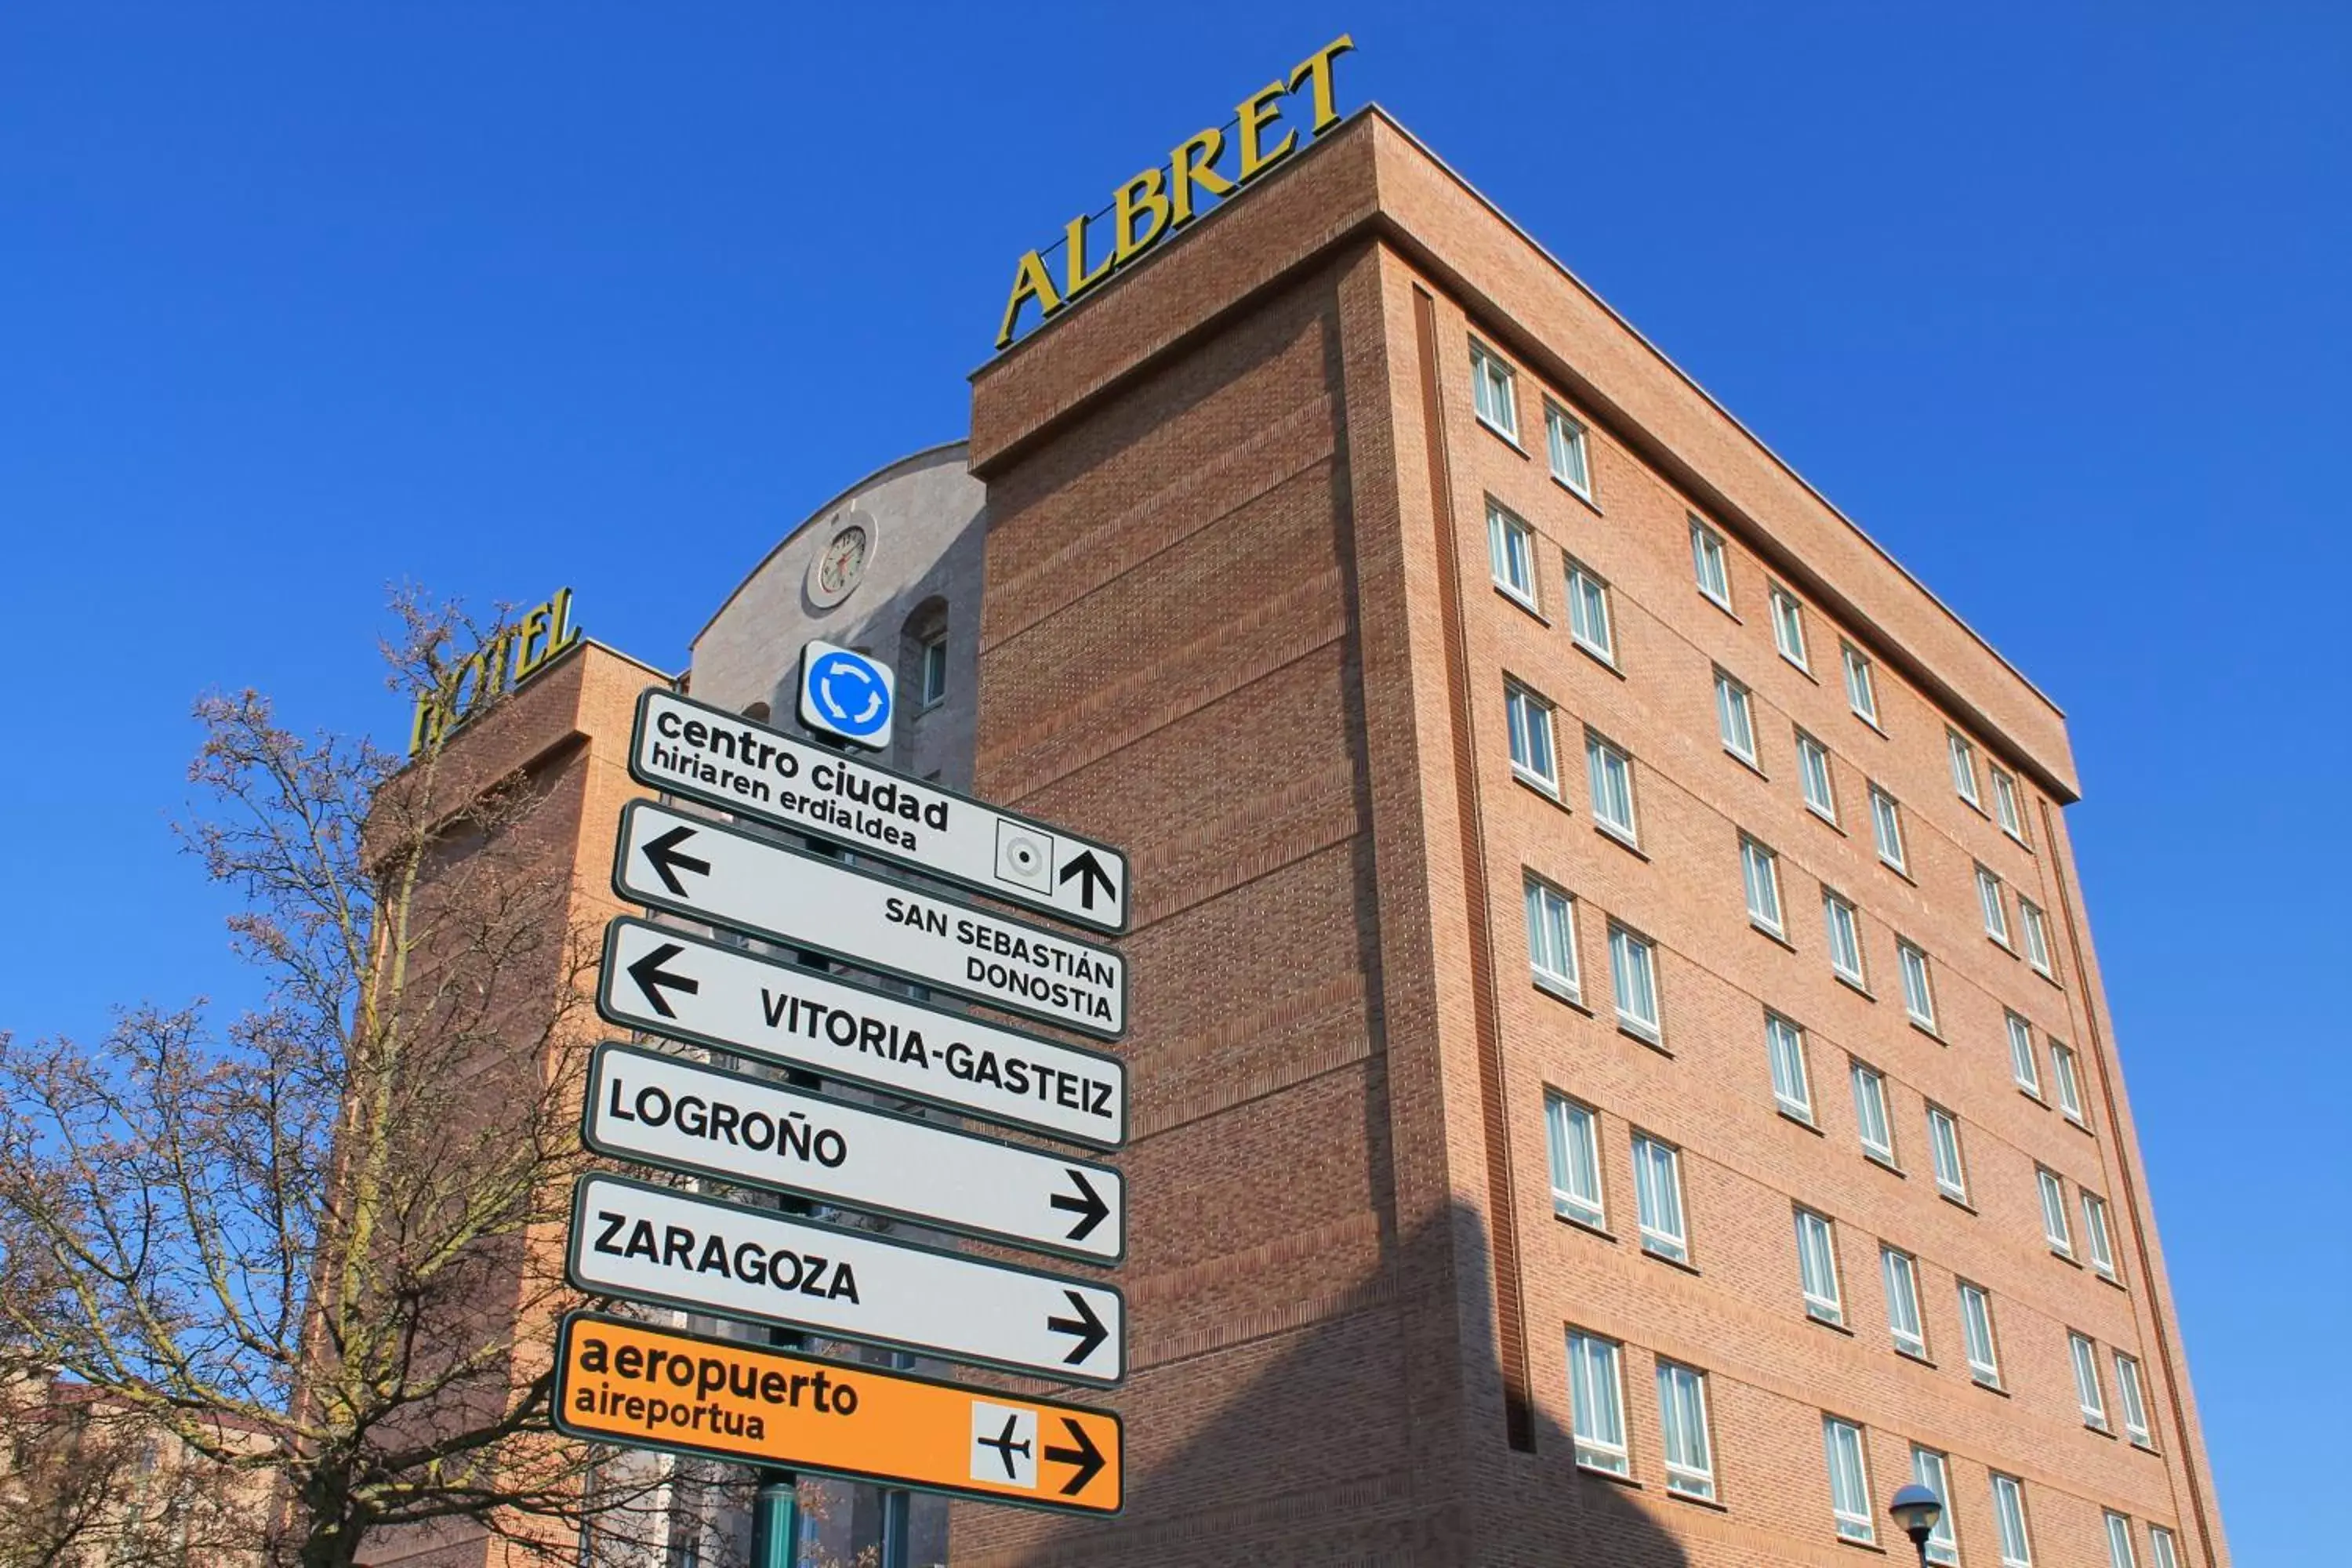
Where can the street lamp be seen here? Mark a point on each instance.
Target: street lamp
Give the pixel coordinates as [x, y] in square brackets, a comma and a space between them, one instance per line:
[1916, 1510]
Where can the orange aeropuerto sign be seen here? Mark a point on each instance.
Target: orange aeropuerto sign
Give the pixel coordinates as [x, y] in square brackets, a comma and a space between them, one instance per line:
[622, 1382]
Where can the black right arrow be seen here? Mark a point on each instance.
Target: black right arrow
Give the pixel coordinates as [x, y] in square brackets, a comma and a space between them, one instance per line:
[653, 979]
[1087, 1202]
[1086, 1457]
[668, 862]
[1088, 1328]
[1089, 870]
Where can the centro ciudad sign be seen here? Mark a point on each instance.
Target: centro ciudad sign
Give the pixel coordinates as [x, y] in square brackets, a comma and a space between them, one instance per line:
[1164, 198]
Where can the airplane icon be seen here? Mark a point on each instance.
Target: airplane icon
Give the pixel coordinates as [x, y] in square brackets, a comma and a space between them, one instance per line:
[1006, 1448]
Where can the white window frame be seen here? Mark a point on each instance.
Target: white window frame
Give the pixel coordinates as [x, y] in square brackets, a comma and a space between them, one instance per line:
[2131, 1392]
[1953, 1184]
[1711, 565]
[1529, 719]
[1511, 555]
[1792, 1083]
[1845, 934]
[1596, 1387]
[1817, 1267]
[1817, 778]
[1586, 590]
[2119, 1539]
[1899, 1272]
[1847, 1456]
[1789, 628]
[1609, 771]
[2008, 1521]
[1870, 1104]
[1978, 1338]
[1566, 447]
[2097, 1240]
[2037, 937]
[1689, 1448]
[1573, 1142]
[2024, 1066]
[1735, 717]
[1551, 922]
[2162, 1551]
[2067, 1080]
[2051, 1189]
[1990, 905]
[1933, 1469]
[1494, 392]
[1634, 956]
[1918, 984]
[2006, 809]
[1759, 875]
[1963, 754]
[1861, 684]
[932, 670]
[1657, 1188]
[2089, 1397]
[1886, 829]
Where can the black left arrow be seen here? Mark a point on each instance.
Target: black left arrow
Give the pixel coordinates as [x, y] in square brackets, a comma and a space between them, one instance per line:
[668, 862]
[1088, 1329]
[653, 979]
[1087, 1202]
[1086, 1457]
[1089, 871]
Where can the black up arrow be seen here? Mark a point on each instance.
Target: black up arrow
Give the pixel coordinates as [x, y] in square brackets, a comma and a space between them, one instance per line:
[653, 979]
[1088, 1203]
[1088, 1329]
[668, 862]
[1086, 1457]
[1089, 870]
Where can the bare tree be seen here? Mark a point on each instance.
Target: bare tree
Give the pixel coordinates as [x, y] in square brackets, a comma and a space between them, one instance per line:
[335, 1225]
[86, 1483]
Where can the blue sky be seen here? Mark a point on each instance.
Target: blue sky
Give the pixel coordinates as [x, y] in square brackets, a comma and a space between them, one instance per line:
[298, 301]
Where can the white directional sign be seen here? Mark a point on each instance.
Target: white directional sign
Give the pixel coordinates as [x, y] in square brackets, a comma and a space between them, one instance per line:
[691, 866]
[684, 1116]
[666, 982]
[652, 1244]
[707, 754]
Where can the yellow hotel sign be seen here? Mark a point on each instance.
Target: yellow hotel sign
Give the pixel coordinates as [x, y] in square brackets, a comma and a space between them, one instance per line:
[512, 657]
[1164, 198]
[622, 1382]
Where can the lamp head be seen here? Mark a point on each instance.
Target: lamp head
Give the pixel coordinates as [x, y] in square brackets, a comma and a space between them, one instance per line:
[1916, 1510]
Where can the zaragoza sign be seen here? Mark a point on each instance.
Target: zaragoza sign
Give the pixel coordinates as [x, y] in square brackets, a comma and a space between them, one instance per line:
[1162, 199]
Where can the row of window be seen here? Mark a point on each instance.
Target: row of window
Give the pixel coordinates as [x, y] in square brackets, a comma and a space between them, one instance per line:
[1597, 1405]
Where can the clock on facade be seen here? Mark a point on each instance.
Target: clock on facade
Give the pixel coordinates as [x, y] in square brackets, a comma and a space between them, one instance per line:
[842, 559]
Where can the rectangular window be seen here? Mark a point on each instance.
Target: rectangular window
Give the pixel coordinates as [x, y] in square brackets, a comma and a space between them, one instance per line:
[1930, 1470]
[2053, 1212]
[1918, 992]
[1870, 1113]
[1511, 553]
[1492, 392]
[1817, 1268]
[1735, 716]
[1611, 772]
[2161, 1551]
[2005, 805]
[1532, 748]
[1814, 777]
[1850, 1503]
[1995, 912]
[1634, 972]
[1564, 437]
[1903, 1321]
[1710, 564]
[1573, 1132]
[1944, 1139]
[935, 670]
[1588, 613]
[1964, 768]
[1976, 1334]
[1597, 1398]
[2009, 1515]
[2037, 937]
[1886, 826]
[1760, 869]
[2132, 1394]
[2021, 1063]
[1551, 939]
[2088, 1396]
[1658, 1197]
[1845, 937]
[2119, 1542]
[1792, 1088]
[2068, 1083]
[1861, 686]
[1788, 627]
[2100, 1245]
[1682, 1430]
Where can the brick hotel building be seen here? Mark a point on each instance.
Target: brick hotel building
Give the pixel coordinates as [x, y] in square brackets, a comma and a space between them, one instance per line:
[1621, 1070]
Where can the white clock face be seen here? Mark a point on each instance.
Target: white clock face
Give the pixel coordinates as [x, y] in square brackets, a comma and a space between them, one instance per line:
[842, 560]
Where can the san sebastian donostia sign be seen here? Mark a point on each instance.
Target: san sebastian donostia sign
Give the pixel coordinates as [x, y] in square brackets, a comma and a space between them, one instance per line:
[512, 657]
[625, 1382]
[1163, 199]
[691, 866]
[720, 759]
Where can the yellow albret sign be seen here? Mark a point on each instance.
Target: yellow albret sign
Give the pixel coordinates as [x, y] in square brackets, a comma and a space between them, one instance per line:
[622, 1381]
[507, 661]
[1163, 199]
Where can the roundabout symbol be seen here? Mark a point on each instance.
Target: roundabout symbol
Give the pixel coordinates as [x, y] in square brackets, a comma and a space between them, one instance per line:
[846, 694]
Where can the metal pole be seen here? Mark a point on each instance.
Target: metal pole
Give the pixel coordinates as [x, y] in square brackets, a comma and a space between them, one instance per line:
[897, 1525]
[776, 1523]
